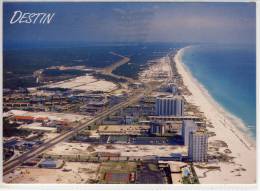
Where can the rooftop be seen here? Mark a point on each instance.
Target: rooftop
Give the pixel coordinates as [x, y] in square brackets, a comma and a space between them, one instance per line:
[200, 132]
[170, 97]
[189, 123]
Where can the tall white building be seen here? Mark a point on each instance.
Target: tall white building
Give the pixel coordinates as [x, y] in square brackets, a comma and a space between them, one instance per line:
[198, 146]
[188, 126]
[169, 106]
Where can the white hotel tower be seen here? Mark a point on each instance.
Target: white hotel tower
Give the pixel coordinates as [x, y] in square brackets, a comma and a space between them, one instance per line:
[188, 126]
[198, 146]
[169, 106]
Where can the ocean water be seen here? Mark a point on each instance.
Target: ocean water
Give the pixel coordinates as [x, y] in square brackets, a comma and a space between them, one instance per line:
[228, 72]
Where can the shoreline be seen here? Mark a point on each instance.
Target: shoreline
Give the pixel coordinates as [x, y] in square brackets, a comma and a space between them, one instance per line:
[227, 127]
[232, 119]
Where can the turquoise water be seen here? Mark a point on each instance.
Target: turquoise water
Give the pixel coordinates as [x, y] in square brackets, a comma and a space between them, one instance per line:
[228, 72]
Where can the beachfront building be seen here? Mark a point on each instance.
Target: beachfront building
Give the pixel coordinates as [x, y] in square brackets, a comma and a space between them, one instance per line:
[167, 106]
[188, 126]
[198, 146]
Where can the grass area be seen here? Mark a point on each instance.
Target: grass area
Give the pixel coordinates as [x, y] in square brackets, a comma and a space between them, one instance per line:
[191, 179]
[186, 180]
[195, 178]
[152, 167]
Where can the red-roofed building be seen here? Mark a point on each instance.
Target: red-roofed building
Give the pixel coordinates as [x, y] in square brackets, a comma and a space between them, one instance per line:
[117, 178]
[24, 118]
[41, 119]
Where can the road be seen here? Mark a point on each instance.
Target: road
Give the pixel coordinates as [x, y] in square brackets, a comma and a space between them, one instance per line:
[10, 165]
[109, 69]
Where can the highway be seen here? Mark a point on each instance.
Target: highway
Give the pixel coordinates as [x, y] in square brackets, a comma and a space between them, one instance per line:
[109, 69]
[9, 166]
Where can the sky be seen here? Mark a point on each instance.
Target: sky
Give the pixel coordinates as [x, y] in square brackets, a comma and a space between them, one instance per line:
[134, 22]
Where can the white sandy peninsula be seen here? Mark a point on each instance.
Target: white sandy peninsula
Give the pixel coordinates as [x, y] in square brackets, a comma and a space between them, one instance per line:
[226, 127]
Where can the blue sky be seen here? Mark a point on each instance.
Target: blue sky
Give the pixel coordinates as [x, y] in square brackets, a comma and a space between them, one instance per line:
[135, 22]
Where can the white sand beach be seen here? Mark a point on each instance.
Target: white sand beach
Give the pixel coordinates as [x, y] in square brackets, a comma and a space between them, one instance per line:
[227, 128]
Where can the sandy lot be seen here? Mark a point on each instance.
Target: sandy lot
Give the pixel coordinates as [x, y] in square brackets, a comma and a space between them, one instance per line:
[76, 173]
[85, 83]
[125, 150]
[51, 115]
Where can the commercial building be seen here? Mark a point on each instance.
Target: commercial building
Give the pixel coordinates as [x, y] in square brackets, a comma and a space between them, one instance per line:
[188, 126]
[25, 119]
[169, 126]
[50, 163]
[123, 130]
[117, 178]
[29, 119]
[38, 127]
[128, 120]
[198, 146]
[197, 120]
[157, 128]
[166, 106]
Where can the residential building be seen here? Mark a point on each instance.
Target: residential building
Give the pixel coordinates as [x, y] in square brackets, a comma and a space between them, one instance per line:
[188, 126]
[198, 146]
[167, 106]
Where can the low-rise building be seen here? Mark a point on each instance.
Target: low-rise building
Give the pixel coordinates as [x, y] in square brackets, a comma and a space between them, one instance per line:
[48, 163]
[123, 129]
[157, 128]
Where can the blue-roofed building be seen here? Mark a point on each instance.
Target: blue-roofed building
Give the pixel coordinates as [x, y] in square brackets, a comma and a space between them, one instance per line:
[48, 163]
[10, 143]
